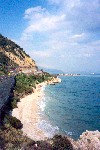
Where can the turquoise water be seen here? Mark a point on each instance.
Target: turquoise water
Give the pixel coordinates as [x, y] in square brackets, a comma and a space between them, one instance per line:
[73, 106]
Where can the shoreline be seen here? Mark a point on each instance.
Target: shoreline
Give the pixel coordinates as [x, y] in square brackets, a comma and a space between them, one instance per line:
[28, 112]
[29, 108]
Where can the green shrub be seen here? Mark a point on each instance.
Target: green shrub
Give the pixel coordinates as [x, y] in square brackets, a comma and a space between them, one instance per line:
[14, 104]
[13, 139]
[13, 121]
[61, 143]
[24, 84]
[28, 90]
[14, 101]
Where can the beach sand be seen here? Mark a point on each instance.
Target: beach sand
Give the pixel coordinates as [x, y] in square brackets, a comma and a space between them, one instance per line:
[28, 113]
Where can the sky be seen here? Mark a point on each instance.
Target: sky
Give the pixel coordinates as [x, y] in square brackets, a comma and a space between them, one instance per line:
[57, 34]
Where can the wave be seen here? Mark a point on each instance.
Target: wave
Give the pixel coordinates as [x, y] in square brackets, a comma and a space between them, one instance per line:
[42, 105]
[45, 125]
[68, 133]
[43, 88]
[48, 129]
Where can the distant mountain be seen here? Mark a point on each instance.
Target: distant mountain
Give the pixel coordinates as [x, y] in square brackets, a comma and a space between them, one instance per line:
[52, 71]
[13, 55]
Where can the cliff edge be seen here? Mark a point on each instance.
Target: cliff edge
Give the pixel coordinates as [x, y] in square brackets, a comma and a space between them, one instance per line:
[13, 55]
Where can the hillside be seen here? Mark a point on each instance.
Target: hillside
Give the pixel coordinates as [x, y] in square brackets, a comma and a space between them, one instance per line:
[13, 55]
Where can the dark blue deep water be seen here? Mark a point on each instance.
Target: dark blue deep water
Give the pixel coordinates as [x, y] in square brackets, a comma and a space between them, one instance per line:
[74, 104]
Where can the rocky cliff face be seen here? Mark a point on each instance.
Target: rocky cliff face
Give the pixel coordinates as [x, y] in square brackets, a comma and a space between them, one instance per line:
[12, 54]
[89, 140]
[6, 86]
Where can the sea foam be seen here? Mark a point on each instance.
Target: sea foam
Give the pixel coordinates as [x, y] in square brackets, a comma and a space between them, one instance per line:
[45, 125]
[42, 105]
[48, 129]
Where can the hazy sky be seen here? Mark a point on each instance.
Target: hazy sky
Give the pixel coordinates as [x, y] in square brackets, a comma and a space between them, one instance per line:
[61, 34]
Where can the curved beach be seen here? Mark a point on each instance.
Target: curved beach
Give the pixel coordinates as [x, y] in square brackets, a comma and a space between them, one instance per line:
[28, 112]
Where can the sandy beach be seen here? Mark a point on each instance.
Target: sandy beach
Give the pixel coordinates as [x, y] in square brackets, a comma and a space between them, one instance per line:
[28, 112]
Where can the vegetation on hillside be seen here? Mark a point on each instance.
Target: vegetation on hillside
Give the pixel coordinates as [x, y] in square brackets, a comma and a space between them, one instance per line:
[11, 137]
[25, 84]
[11, 46]
[6, 60]
[3, 70]
[12, 54]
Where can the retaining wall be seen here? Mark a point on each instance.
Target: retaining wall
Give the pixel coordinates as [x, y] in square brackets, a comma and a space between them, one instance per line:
[6, 85]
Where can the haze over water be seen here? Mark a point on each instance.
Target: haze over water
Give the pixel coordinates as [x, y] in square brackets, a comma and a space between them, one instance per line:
[74, 104]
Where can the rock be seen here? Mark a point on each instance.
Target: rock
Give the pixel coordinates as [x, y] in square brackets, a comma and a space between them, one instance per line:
[89, 140]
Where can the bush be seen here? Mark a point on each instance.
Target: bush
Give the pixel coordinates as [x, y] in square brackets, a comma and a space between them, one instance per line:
[61, 143]
[13, 121]
[12, 139]
[24, 84]
[44, 145]
[14, 104]
[14, 101]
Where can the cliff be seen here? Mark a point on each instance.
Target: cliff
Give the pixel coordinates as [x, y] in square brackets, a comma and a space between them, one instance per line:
[13, 60]
[10, 138]
[6, 86]
[12, 54]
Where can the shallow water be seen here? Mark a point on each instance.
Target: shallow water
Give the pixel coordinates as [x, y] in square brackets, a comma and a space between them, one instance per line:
[72, 106]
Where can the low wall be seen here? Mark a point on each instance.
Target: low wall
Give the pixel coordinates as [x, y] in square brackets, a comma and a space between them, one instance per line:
[6, 85]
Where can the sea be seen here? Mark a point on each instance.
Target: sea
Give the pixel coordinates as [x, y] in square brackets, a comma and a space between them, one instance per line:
[71, 107]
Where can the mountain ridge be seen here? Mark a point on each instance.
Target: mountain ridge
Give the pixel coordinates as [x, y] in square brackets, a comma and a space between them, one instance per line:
[13, 54]
[52, 70]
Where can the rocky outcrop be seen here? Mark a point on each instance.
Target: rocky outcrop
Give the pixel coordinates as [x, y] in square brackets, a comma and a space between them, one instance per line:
[54, 80]
[89, 140]
[6, 86]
